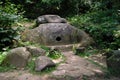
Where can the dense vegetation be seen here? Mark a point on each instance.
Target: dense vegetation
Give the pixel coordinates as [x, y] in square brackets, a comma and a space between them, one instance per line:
[103, 27]
[99, 18]
[34, 8]
[8, 16]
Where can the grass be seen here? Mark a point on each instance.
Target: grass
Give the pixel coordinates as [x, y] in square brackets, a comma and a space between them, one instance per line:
[97, 64]
[7, 68]
[88, 52]
[50, 53]
[107, 73]
[31, 64]
[2, 57]
[54, 54]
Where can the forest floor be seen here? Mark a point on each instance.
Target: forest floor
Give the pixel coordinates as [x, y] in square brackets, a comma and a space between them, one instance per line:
[73, 68]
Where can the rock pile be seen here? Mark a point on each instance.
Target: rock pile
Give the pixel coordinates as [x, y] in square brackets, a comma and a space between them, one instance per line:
[19, 58]
[54, 30]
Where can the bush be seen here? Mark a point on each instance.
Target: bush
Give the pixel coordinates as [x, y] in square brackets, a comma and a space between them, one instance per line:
[103, 26]
[8, 16]
[35, 8]
[52, 53]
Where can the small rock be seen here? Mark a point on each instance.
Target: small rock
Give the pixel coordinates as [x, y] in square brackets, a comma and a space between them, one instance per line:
[18, 57]
[36, 51]
[43, 62]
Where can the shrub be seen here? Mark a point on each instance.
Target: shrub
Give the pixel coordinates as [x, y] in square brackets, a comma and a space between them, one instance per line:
[2, 56]
[35, 8]
[103, 26]
[54, 54]
[8, 16]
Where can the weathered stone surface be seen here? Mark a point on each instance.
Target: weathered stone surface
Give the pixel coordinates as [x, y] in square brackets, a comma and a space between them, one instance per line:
[57, 34]
[73, 68]
[50, 19]
[35, 51]
[76, 67]
[43, 62]
[3, 78]
[25, 75]
[18, 57]
[28, 76]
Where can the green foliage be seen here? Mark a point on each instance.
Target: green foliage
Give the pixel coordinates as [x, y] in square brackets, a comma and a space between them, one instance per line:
[54, 54]
[103, 27]
[99, 65]
[8, 16]
[27, 43]
[10, 8]
[61, 7]
[51, 1]
[6, 68]
[47, 49]
[88, 52]
[2, 56]
[31, 65]
[35, 8]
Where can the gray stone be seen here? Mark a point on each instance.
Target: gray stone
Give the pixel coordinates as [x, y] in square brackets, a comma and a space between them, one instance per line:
[113, 61]
[18, 57]
[43, 62]
[50, 19]
[57, 34]
[35, 51]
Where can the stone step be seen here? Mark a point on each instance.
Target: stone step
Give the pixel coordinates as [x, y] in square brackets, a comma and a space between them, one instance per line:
[65, 48]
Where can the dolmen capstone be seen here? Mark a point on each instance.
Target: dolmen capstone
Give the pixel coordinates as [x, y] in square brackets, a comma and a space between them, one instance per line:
[53, 30]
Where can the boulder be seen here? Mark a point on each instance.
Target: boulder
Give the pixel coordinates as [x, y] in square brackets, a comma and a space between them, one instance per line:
[35, 51]
[42, 63]
[57, 34]
[18, 57]
[113, 61]
[50, 19]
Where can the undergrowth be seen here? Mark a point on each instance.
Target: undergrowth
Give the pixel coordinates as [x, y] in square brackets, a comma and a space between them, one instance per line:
[102, 26]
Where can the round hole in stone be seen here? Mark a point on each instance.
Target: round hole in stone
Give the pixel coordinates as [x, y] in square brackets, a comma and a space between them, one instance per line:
[58, 38]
